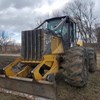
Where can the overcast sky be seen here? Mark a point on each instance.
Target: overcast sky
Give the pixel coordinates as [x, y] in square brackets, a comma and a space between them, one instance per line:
[18, 15]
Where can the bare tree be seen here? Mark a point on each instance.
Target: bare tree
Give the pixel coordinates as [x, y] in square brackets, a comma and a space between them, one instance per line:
[82, 11]
[4, 41]
[97, 30]
[39, 20]
[56, 13]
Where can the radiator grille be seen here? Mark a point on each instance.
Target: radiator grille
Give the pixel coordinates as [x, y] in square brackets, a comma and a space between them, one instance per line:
[35, 43]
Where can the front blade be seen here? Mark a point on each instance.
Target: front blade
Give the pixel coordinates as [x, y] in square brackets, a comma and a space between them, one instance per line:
[28, 86]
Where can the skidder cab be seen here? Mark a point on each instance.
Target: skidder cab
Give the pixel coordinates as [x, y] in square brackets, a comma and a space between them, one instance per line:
[45, 50]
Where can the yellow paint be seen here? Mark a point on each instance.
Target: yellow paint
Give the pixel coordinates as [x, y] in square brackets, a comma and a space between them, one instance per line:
[28, 62]
[80, 43]
[24, 72]
[53, 64]
[56, 45]
[48, 60]
[8, 70]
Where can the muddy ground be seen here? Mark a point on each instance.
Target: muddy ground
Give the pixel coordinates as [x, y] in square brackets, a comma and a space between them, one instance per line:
[90, 92]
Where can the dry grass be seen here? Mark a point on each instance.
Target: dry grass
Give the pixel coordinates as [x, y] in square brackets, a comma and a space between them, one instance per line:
[90, 92]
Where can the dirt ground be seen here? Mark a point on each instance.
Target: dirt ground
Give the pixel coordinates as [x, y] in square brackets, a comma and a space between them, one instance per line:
[10, 97]
[90, 92]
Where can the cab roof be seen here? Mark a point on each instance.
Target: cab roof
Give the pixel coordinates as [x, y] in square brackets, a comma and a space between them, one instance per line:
[68, 18]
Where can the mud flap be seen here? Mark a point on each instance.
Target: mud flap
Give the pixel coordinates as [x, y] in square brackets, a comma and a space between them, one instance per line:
[42, 89]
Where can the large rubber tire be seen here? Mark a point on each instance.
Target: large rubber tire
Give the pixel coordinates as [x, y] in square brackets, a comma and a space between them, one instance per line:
[92, 59]
[75, 67]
